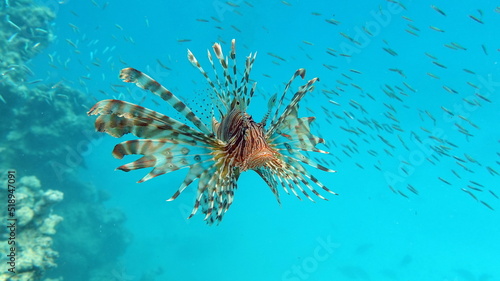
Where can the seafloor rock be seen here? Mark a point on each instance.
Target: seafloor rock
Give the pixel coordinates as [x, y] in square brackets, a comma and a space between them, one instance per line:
[92, 236]
[34, 229]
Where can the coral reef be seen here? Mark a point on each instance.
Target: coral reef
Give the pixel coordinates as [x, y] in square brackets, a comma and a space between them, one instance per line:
[45, 134]
[38, 114]
[92, 235]
[25, 32]
[42, 131]
[36, 225]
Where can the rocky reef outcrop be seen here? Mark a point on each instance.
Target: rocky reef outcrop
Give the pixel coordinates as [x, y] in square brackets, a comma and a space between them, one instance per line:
[64, 230]
[31, 233]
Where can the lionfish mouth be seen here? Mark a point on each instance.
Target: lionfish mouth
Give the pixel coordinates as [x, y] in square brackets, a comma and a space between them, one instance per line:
[217, 156]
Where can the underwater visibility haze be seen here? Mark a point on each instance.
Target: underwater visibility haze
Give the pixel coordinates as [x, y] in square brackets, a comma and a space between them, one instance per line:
[388, 110]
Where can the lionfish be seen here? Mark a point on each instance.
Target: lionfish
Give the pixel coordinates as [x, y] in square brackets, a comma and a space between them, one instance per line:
[216, 157]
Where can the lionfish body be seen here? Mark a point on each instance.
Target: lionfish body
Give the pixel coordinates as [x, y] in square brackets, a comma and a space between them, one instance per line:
[216, 157]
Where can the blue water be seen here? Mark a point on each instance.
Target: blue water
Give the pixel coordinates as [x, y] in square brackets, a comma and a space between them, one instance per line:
[367, 232]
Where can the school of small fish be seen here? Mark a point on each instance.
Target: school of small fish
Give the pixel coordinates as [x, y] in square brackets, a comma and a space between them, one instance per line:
[389, 126]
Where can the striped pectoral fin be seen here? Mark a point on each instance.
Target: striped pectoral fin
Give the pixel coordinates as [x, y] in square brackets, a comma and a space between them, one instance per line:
[302, 177]
[282, 176]
[303, 173]
[296, 179]
[158, 171]
[298, 130]
[147, 161]
[300, 72]
[143, 162]
[284, 140]
[209, 193]
[118, 107]
[302, 129]
[217, 201]
[270, 179]
[203, 184]
[118, 126]
[161, 166]
[128, 110]
[164, 156]
[292, 107]
[208, 205]
[215, 192]
[113, 125]
[290, 152]
[119, 117]
[294, 135]
[142, 147]
[142, 80]
[195, 172]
